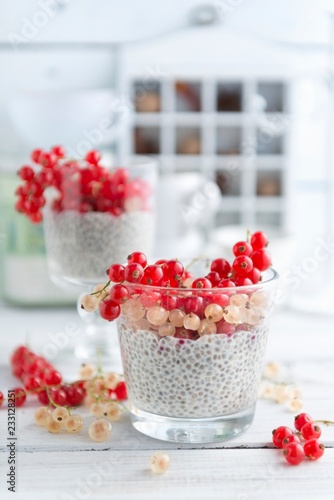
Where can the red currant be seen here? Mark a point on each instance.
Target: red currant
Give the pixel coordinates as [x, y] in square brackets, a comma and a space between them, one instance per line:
[279, 434]
[183, 333]
[292, 438]
[109, 310]
[150, 298]
[261, 259]
[26, 173]
[310, 430]
[313, 449]
[137, 258]
[93, 157]
[36, 217]
[242, 265]
[153, 275]
[19, 355]
[133, 273]
[301, 420]
[20, 396]
[294, 453]
[221, 266]
[214, 277]
[259, 240]
[242, 281]
[35, 155]
[169, 302]
[221, 299]
[173, 270]
[31, 383]
[242, 248]
[195, 305]
[48, 160]
[35, 365]
[52, 378]
[58, 151]
[224, 327]
[201, 283]
[119, 293]
[226, 283]
[116, 273]
[161, 262]
[254, 275]
[120, 391]
[120, 176]
[58, 396]
[74, 395]
[43, 397]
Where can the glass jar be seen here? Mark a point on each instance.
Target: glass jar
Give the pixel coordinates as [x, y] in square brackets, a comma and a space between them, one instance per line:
[193, 368]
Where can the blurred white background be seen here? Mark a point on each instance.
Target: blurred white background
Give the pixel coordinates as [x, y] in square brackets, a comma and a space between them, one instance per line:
[237, 93]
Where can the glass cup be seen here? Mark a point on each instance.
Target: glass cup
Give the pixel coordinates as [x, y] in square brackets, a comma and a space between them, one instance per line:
[83, 239]
[90, 223]
[193, 367]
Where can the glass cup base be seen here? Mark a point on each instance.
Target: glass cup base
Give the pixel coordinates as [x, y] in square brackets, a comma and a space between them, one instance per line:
[192, 430]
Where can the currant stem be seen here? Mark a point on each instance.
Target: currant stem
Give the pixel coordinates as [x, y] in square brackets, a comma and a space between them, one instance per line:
[99, 362]
[102, 289]
[193, 261]
[326, 422]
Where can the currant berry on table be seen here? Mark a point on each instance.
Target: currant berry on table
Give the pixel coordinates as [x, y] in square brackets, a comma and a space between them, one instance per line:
[301, 420]
[313, 449]
[159, 462]
[100, 430]
[294, 453]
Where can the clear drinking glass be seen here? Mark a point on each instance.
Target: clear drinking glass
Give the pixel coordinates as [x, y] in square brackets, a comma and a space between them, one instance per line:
[83, 238]
[198, 384]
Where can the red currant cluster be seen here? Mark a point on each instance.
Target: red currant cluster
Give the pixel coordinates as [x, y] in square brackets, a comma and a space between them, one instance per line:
[84, 186]
[138, 292]
[293, 449]
[40, 378]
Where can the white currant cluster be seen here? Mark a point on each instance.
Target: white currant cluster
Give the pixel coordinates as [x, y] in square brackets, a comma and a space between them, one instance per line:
[282, 392]
[99, 390]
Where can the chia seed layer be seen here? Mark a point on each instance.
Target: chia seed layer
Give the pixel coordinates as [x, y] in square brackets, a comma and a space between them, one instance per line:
[80, 247]
[213, 376]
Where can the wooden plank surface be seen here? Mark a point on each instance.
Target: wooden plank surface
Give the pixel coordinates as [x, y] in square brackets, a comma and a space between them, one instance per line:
[193, 474]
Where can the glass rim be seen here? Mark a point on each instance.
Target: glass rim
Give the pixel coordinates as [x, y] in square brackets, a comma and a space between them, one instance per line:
[244, 288]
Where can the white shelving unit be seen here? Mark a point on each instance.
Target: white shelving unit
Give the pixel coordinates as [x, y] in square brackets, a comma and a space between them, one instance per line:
[235, 130]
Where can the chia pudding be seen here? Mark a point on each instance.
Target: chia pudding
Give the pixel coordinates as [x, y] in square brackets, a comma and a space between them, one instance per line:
[80, 246]
[212, 376]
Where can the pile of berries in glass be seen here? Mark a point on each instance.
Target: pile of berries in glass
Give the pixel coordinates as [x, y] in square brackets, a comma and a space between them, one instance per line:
[192, 347]
[92, 214]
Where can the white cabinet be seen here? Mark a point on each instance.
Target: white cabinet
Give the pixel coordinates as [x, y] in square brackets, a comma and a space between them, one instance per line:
[233, 129]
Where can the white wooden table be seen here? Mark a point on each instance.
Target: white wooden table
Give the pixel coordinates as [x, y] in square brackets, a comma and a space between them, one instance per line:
[74, 467]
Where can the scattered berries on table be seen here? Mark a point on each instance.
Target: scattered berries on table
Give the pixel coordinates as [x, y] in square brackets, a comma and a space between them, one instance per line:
[294, 450]
[102, 393]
